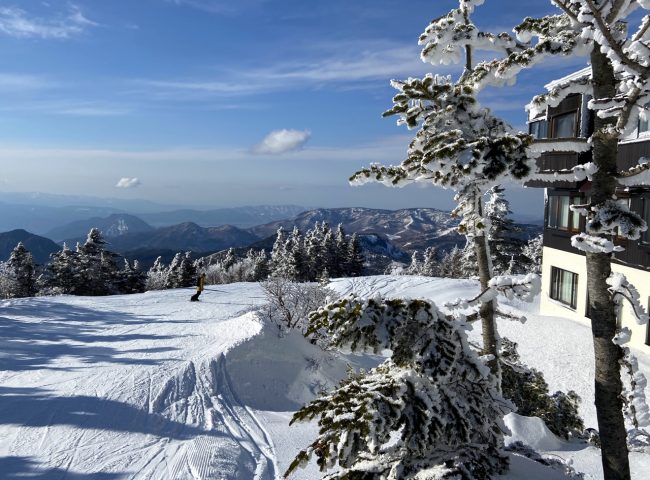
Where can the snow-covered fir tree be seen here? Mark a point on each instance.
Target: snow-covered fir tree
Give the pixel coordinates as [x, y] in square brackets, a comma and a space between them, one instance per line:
[97, 270]
[459, 144]
[156, 276]
[415, 266]
[430, 263]
[431, 410]
[532, 252]
[62, 272]
[21, 265]
[130, 278]
[505, 245]
[355, 258]
[619, 85]
[451, 264]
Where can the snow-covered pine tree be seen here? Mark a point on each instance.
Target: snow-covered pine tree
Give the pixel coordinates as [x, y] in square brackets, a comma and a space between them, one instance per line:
[460, 144]
[354, 257]
[341, 248]
[415, 266]
[619, 84]
[172, 277]
[130, 278]
[451, 265]
[505, 246]
[532, 252]
[156, 276]
[297, 259]
[432, 410]
[62, 272]
[430, 263]
[97, 267]
[22, 265]
[187, 271]
[260, 265]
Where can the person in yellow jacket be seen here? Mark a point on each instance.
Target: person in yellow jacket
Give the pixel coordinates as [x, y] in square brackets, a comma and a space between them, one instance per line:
[200, 285]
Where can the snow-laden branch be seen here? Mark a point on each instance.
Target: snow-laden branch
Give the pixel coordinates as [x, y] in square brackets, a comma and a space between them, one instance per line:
[611, 217]
[619, 286]
[520, 287]
[591, 244]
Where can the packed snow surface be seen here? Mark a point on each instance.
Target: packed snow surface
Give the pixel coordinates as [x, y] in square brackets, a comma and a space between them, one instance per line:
[152, 386]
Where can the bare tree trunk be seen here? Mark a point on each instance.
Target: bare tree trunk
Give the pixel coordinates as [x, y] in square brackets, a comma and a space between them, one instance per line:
[488, 320]
[609, 405]
[487, 310]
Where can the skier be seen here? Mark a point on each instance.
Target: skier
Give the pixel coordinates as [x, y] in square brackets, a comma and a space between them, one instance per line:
[199, 288]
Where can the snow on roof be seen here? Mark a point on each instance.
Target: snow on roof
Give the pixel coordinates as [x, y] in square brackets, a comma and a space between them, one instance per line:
[572, 76]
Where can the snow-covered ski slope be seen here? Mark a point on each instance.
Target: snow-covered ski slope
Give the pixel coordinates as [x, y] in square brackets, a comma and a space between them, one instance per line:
[152, 386]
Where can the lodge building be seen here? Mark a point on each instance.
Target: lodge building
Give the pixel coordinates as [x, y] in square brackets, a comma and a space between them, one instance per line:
[564, 272]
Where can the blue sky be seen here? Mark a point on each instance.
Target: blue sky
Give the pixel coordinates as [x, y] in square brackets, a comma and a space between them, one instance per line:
[217, 103]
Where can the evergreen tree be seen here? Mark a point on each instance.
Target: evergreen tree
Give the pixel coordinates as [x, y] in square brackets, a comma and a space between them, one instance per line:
[131, 279]
[532, 252]
[156, 276]
[172, 279]
[506, 247]
[415, 266]
[433, 390]
[430, 263]
[341, 249]
[63, 272]
[355, 258]
[451, 265]
[619, 83]
[460, 144]
[21, 265]
[260, 265]
[296, 257]
[187, 271]
[97, 270]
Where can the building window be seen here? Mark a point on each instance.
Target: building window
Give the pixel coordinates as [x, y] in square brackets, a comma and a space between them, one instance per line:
[564, 286]
[560, 215]
[564, 126]
[644, 123]
[538, 129]
[646, 216]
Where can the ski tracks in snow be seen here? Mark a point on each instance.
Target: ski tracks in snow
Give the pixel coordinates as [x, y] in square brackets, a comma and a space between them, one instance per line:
[224, 438]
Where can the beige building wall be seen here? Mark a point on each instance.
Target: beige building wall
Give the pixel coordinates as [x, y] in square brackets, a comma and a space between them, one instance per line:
[576, 264]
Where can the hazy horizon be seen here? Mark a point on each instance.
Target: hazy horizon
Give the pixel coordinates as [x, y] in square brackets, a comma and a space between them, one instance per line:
[98, 98]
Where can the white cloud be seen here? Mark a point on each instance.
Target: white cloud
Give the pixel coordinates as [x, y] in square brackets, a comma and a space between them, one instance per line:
[282, 141]
[222, 7]
[127, 182]
[18, 23]
[327, 64]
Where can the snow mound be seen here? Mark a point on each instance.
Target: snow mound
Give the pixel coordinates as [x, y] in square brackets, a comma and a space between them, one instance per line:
[281, 373]
[531, 431]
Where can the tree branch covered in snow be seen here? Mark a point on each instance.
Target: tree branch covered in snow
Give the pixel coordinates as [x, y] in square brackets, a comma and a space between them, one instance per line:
[521, 287]
[431, 407]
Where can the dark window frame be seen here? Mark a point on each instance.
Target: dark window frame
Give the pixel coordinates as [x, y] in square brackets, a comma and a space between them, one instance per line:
[554, 120]
[647, 327]
[646, 131]
[554, 212]
[541, 121]
[557, 281]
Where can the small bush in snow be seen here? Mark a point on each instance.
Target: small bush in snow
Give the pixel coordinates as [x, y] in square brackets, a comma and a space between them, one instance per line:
[429, 411]
[290, 303]
[528, 390]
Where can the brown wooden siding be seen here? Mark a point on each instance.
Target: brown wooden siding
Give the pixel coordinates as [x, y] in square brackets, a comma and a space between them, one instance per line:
[637, 252]
[630, 153]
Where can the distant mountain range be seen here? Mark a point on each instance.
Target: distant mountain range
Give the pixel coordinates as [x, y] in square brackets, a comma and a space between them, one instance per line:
[60, 221]
[386, 233]
[410, 229]
[40, 247]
